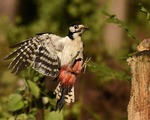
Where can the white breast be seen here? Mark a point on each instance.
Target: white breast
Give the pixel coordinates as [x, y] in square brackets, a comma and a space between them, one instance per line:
[71, 50]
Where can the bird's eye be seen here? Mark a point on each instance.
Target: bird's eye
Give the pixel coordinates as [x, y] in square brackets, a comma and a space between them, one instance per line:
[76, 26]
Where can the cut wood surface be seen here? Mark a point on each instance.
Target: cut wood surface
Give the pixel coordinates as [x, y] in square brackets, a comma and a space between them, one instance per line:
[139, 104]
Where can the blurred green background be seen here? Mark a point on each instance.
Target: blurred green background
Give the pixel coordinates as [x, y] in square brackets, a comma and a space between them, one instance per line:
[116, 28]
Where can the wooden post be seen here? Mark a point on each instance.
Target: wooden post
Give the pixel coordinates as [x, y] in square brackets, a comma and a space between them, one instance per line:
[139, 104]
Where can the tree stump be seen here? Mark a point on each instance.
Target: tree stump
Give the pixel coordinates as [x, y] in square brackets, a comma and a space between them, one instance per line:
[139, 104]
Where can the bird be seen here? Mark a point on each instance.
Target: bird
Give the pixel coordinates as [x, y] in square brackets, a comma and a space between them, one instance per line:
[54, 56]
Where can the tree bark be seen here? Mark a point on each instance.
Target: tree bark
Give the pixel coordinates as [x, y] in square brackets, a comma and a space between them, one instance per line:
[138, 108]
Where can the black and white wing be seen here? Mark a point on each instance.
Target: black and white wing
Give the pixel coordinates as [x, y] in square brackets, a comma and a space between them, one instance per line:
[40, 52]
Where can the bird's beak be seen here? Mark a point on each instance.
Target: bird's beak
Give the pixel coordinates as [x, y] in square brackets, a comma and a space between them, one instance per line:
[85, 28]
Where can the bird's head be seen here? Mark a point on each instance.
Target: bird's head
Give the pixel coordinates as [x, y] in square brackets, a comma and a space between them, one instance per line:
[76, 30]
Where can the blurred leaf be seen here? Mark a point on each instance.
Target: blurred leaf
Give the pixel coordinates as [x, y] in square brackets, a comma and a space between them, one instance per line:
[31, 117]
[145, 12]
[34, 88]
[107, 73]
[120, 23]
[22, 117]
[14, 102]
[54, 116]
[52, 102]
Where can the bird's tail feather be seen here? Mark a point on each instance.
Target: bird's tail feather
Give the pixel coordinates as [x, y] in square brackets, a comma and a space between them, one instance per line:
[64, 94]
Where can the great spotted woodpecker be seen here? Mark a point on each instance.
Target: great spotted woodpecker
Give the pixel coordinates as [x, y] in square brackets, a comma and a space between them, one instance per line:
[55, 56]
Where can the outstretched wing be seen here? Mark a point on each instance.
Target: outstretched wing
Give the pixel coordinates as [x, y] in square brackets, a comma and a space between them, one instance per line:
[40, 52]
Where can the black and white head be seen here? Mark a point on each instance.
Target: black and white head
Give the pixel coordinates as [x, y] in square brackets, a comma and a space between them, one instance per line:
[76, 30]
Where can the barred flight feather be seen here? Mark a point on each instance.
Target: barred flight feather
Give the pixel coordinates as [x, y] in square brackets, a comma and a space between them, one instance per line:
[36, 52]
[21, 43]
[45, 63]
[23, 58]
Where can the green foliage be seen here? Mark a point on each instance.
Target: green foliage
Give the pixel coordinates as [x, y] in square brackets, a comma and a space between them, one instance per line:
[53, 116]
[115, 20]
[14, 102]
[35, 90]
[145, 12]
[107, 73]
[28, 101]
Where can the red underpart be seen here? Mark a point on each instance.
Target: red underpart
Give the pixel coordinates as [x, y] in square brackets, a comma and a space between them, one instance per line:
[77, 67]
[68, 74]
